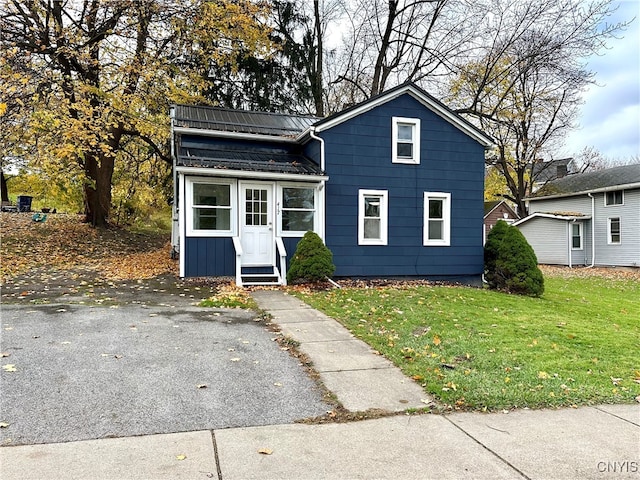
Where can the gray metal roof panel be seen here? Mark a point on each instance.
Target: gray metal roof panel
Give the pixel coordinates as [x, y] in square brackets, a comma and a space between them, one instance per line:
[241, 121]
[254, 161]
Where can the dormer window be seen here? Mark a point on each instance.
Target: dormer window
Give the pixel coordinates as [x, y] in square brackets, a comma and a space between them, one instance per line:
[406, 140]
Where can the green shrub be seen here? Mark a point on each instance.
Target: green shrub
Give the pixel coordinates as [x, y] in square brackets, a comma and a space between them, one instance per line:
[492, 251]
[510, 262]
[312, 262]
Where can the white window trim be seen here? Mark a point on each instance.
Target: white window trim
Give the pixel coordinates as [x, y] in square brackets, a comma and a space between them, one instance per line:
[446, 213]
[280, 201]
[415, 160]
[188, 212]
[384, 217]
[613, 204]
[581, 234]
[609, 241]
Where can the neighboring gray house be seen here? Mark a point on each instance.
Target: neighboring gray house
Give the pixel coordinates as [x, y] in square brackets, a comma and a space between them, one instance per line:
[587, 219]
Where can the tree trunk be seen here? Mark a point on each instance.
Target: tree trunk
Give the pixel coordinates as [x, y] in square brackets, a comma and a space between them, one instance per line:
[3, 187]
[316, 82]
[97, 190]
[377, 85]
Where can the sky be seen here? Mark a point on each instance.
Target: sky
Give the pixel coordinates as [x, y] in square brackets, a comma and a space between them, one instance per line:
[610, 116]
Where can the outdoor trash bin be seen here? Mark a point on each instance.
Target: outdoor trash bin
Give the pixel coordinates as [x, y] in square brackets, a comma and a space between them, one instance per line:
[24, 203]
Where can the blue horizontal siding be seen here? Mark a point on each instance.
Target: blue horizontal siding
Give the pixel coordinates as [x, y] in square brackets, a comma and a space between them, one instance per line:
[358, 156]
[209, 257]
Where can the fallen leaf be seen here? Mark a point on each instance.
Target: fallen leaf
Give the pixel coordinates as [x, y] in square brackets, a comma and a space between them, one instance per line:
[265, 451]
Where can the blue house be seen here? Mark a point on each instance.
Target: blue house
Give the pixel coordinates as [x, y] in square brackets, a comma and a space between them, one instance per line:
[394, 187]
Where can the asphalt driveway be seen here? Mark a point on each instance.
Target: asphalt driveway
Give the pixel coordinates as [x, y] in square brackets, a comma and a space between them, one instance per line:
[76, 372]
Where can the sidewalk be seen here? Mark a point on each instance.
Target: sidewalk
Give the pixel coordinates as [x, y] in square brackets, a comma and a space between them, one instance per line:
[360, 379]
[589, 443]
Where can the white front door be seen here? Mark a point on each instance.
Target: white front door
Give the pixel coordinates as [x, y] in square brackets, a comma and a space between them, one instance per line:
[256, 220]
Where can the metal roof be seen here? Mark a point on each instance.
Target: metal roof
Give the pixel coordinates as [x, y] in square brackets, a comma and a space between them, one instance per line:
[590, 181]
[241, 121]
[250, 160]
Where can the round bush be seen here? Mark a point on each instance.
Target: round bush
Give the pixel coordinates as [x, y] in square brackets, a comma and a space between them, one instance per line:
[312, 262]
[510, 262]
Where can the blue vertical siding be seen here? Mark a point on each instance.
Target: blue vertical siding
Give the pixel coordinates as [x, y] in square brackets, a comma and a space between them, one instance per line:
[209, 257]
[358, 156]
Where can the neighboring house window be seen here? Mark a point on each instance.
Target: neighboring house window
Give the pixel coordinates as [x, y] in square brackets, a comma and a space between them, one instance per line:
[298, 210]
[406, 140]
[613, 229]
[614, 198]
[372, 217]
[210, 206]
[576, 236]
[437, 218]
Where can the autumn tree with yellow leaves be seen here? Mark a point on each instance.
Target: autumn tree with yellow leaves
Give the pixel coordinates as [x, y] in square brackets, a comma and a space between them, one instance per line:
[100, 75]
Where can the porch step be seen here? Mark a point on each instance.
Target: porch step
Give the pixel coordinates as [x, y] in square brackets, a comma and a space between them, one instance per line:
[270, 277]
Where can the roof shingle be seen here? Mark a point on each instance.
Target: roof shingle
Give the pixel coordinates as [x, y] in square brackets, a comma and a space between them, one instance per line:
[586, 182]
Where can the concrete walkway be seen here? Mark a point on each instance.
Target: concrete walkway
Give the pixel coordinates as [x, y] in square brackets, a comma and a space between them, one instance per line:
[588, 443]
[360, 378]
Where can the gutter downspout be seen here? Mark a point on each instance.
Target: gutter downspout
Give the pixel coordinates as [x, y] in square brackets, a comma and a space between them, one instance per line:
[569, 243]
[174, 207]
[312, 134]
[593, 230]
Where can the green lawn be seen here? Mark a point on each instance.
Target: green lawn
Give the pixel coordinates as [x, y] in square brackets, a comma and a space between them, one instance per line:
[479, 349]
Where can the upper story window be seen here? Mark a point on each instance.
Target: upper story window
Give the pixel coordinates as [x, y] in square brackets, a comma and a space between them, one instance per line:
[437, 219]
[406, 140]
[614, 198]
[211, 206]
[298, 210]
[372, 217]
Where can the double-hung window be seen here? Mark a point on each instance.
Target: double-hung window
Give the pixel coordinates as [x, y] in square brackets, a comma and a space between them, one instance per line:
[211, 207]
[437, 219]
[576, 236]
[372, 217]
[614, 198]
[405, 140]
[298, 210]
[613, 231]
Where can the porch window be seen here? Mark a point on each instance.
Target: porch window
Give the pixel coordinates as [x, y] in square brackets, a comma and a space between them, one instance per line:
[372, 217]
[613, 230]
[298, 207]
[405, 140]
[614, 198]
[576, 236]
[210, 207]
[437, 219]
